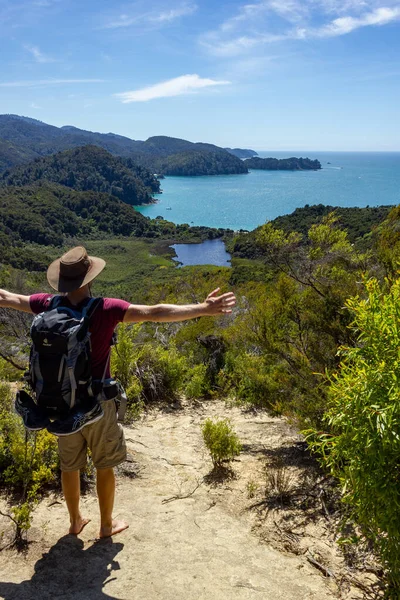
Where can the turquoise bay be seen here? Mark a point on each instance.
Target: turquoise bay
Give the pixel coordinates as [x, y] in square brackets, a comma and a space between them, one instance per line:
[246, 201]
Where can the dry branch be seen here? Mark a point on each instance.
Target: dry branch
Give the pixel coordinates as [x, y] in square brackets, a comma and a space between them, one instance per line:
[180, 496]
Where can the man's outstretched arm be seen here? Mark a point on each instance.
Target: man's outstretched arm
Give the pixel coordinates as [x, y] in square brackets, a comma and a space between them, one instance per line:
[212, 306]
[17, 301]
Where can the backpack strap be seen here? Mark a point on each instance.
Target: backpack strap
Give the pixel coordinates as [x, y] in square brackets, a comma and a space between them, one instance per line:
[91, 306]
[55, 301]
[87, 311]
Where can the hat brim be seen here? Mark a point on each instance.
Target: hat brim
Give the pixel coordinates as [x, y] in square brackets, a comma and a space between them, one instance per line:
[61, 284]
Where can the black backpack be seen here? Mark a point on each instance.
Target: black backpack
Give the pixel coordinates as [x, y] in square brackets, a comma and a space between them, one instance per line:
[60, 359]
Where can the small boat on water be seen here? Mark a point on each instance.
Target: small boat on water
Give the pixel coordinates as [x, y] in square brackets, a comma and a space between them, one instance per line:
[168, 208]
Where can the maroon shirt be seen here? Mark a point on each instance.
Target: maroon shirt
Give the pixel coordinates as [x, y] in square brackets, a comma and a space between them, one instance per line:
[102, 324]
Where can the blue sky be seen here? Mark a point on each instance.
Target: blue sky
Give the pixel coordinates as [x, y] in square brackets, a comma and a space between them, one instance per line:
[266, 74]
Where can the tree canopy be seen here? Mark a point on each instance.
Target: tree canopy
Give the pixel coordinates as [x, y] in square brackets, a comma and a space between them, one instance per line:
[282, 164]
[22, 139]
[89, 168]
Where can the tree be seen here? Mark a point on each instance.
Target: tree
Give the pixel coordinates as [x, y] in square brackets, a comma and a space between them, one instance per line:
[361, 442]
[298, 323]
[388, 242]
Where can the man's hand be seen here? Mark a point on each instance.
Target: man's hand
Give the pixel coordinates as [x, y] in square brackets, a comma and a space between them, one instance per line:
[216, 305]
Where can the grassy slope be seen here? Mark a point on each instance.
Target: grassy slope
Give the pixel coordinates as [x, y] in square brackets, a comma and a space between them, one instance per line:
[143, 271]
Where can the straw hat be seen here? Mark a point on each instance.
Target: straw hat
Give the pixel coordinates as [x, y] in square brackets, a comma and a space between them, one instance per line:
[74, 270]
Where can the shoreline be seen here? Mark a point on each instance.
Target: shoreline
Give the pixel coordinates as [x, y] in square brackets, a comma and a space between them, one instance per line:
[364, 179]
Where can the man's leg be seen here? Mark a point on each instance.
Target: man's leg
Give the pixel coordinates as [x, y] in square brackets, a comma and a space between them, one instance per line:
[106, 493]
[71, 486]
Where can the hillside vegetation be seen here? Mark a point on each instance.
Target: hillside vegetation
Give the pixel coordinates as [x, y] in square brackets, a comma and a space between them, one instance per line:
[198, 162]
[32, 139]
[359, 224]
[88, 168]
[35, 217]
[42, 139]
[11, 155]
[242, 152]
[282, 164]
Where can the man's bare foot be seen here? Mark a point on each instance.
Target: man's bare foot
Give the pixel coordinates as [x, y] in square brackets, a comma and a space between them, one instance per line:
[116, 527]
[77, 526]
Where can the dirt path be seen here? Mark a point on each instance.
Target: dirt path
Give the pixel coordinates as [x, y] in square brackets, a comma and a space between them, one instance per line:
[195, 548]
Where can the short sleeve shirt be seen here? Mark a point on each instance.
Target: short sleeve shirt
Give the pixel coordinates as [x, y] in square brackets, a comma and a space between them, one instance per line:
[104, 320]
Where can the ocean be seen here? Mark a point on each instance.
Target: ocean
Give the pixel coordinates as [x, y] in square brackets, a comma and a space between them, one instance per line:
[246, 201]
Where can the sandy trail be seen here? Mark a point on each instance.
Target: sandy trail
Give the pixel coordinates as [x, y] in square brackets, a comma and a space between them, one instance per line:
[199, 547]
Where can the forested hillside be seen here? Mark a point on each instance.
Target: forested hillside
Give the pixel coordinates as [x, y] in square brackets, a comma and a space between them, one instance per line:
[199, 162]
[89, 168]
[42, 139]
[242, 152]
[282, 164]
[46, 214]
[11, 155]
[30, 138]
[359, 224]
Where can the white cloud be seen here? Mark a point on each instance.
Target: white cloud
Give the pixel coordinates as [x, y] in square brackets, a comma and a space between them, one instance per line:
[39, 56]
[33, 105]
[239, 45]
[185, 84]
[47, 82]
[261, 23]
[343, 6]
[153, 18]
[290, 10]
[245, 13]
[122, 21]
[175, 13]
[343, 25]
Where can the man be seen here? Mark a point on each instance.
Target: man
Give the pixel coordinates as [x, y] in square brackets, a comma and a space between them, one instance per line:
[73, 275]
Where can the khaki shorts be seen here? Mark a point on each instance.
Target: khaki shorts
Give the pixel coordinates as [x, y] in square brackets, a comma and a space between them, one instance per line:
[105, 438]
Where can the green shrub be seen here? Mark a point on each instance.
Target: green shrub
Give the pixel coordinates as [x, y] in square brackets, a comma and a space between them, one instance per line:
[246, 377]
[34, 461]
[148, 372]
[221, 441]
[251, 488]
[160, 371]
[26, 461]
[22, 516]
[8, 372]
[197, 385]
[135, 403]
[361, 445]
[122, 354]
